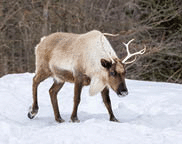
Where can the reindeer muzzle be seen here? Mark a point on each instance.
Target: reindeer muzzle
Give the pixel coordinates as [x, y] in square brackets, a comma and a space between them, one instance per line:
[123, 93]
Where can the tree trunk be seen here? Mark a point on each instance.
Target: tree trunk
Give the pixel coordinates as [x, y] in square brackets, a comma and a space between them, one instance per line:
[45, 16]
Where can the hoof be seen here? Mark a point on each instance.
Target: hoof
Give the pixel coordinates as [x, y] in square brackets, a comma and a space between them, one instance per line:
[60, 120]
[114, 120]
[31, 113]
[74, 120]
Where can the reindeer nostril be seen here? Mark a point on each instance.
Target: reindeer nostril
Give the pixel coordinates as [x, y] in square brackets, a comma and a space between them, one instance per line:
[123, 93]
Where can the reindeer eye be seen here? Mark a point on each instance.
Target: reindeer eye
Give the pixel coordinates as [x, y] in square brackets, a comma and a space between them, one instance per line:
[113, 73]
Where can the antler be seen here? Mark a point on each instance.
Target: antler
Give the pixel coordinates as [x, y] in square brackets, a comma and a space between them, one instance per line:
[108, 34]
[130, 55]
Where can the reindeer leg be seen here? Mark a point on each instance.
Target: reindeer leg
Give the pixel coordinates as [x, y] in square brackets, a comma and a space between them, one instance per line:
[53, 94]
[38, 78]
[77, 93]
[107, 102]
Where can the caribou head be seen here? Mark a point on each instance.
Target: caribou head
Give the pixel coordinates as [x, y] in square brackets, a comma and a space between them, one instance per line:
[116, 70]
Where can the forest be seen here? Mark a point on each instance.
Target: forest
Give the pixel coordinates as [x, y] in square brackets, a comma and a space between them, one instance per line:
[155, 23]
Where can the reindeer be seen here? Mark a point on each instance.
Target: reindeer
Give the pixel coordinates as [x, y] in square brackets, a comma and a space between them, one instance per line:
[82, 59]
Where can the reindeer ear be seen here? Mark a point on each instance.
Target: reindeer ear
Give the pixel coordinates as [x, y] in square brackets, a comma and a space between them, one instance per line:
[105, 63]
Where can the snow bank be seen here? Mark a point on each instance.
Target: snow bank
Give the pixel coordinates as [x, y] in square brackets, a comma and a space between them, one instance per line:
[151, 113]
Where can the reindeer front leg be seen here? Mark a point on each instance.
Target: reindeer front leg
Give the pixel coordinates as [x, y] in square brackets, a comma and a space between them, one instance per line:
[107, 102]
[77, 93]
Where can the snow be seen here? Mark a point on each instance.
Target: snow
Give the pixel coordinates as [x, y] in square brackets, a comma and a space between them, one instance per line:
[150, 114]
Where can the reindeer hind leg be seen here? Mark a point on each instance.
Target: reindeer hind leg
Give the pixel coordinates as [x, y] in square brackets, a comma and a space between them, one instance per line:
[38, 78]
[53, 91]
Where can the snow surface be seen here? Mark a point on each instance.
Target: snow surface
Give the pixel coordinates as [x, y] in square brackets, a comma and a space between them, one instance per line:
[150, 114]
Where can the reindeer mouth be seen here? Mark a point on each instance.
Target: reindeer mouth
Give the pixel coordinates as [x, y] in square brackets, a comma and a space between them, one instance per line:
[122, 94]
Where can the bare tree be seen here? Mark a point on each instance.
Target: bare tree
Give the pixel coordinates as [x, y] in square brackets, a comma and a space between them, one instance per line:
[156, 23]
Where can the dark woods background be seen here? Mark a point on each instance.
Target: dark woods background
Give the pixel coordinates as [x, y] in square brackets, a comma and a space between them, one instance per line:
[156, 23]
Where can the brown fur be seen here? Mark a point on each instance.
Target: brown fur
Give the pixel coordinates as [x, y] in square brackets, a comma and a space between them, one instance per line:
[64, 75]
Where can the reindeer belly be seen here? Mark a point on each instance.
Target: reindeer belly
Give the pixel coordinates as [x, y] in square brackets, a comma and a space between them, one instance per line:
[63, 75]
[67, 76]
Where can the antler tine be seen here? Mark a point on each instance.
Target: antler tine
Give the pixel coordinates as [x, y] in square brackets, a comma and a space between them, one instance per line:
[129, 55]
[127, 45]
[130, 61]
